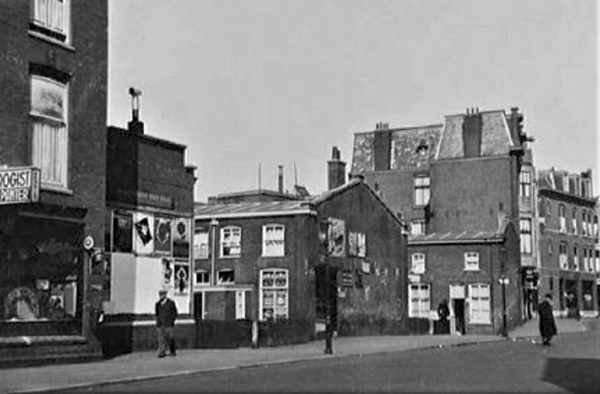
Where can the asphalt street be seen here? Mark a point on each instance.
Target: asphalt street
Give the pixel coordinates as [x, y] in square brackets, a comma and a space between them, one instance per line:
[507, 366]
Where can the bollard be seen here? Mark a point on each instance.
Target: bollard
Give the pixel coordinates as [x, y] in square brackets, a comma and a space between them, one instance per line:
[328, 335]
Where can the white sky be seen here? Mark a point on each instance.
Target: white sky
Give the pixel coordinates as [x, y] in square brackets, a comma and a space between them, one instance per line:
[280, 82]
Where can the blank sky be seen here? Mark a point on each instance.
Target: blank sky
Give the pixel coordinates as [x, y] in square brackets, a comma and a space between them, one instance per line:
[281, 82]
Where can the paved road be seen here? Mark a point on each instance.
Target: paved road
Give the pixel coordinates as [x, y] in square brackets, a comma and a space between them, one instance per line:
[507, 366]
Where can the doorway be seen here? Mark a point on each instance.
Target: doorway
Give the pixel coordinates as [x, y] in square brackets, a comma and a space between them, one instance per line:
[198, 306]
[459, 314]
[326, 293]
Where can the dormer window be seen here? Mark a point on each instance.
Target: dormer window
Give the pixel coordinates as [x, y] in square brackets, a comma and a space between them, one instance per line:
[422, 148]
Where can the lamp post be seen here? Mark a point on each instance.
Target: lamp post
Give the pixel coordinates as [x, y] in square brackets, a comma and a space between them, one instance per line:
[503, 282]
[213, 249]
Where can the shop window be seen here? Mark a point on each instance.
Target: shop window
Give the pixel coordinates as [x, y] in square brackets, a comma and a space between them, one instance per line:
[421, 185]
[479, 304]
[51, 18]
[49, 115]
[225, 277]
[273, 240]
[274, 294]
[418, 263]
[231, 239]
[201, 245]
[420, 301]
[202, 278]
[471, 261]
[526, 244]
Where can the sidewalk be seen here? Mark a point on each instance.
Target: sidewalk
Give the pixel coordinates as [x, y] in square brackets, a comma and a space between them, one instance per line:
[145, 365]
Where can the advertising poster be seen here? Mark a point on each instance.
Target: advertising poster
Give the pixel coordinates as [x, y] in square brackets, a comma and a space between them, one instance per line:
[181, 233]
[182, 278]
[122, 236]
[144, 239]
[162, 235]
[337, 238]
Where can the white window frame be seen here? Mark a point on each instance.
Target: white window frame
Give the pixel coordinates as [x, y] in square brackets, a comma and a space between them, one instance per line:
[50, 129]
[418, 227]
[419, 300]
[471, 261]
[201, 249]
[586, 262]
[563, 258]
[273, 240]
[525, 184]
[47, 17]
[422, 184]
[479, 303]
[597, 260]
[231, 238]
[268, 285]
[418, 263]
[575, 258]
[562, 212]
[202, 283]
[526, 241]
[221, 281]
[574, 226]
[595, 227]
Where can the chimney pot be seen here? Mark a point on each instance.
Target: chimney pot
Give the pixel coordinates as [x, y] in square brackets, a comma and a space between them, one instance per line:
[280, 179]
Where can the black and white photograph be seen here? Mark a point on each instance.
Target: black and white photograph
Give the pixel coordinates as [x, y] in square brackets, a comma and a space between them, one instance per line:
[280, 196]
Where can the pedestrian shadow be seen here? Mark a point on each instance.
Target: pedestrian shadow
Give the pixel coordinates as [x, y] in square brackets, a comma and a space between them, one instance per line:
[577, 375]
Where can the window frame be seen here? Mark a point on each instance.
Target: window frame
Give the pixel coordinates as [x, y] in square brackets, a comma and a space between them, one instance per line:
[575, 258]
[476, 315]
[41, 25]
[199, 242]
[525, 184]
[422, 303]
[230, 243]
[272, 251]
[525, 229]
[203, 283]
[275, 289]
[418, 224]
[563, 256]
[562, 218]
[418, 263]
[422, 190]
[471, 261]
[222, 282]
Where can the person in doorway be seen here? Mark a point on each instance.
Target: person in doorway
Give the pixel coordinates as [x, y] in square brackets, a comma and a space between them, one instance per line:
[547, 323]
[166, 314]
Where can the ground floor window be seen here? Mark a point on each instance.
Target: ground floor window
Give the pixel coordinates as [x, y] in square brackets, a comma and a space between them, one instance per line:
[420, 301]
[274, 294]
[587, 289]
[479, 303]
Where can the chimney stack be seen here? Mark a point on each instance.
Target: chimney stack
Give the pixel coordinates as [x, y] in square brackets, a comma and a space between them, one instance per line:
[336, 170]
[135, 125]
[471, 133]
[280, 179]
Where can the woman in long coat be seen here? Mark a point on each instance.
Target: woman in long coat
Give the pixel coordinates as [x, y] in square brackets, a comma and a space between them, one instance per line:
[547, 323]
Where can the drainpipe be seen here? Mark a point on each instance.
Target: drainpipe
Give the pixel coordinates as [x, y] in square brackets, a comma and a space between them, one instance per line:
[213, 249]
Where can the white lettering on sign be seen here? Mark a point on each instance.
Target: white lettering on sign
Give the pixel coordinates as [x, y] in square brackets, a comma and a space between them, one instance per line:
[19, 185]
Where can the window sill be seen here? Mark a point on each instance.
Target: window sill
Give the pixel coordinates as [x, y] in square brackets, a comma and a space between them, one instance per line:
[272, 255]
[56, 189]
[480, 323]
[231, 257]
[51, 40]
[472, 269]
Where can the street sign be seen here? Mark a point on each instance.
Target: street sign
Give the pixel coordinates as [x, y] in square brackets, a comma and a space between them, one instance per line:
[19, 185]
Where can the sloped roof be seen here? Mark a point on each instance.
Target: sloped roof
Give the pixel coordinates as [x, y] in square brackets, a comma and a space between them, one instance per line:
[414, 147]
[252, 209]
[457, 237]
[495, 135]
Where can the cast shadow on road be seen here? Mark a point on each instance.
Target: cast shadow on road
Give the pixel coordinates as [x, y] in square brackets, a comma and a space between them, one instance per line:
[577, 375]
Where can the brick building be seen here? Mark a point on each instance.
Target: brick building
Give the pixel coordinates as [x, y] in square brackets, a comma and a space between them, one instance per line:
[292, 263]
[149, 192]
[568, 240]
[457, 184]
[53, 71]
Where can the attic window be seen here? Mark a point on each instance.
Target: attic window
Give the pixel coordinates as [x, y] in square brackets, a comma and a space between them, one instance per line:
[422, 148]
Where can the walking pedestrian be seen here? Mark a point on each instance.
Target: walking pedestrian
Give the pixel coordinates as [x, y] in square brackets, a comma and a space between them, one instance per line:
[547, 323]
[166, 314]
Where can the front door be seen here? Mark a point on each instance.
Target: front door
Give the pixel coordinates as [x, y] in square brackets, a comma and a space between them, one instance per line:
[198, 306]
[459, 314]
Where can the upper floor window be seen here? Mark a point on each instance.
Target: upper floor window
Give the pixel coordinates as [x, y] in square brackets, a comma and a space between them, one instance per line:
[562, 218]
[562, 256]
[51, 17]
[550, 248]
[548, 209]
[595, 226]
[421, 183]
[202, 278]
[201, 245]
[525, 184]
[418, 263]
[418, 227]
[590, 230]
[526, 243]
[597, 260]
[575, 259]
[471, 261]
[226, 277]
[586, 261]
[49, 114]
[231, 241]
[273, 240]
[574, 221]
[573, 185]
[585, 188]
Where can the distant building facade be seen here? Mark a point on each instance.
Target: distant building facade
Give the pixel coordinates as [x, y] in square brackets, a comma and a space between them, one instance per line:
[53, 78]
[569, 240]
[457, 184]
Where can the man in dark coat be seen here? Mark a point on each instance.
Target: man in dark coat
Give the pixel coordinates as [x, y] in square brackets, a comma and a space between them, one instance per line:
[166, 314]
[547, 323]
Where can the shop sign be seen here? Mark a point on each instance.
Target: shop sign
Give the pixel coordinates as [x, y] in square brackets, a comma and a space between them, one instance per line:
[19, 185]
[347, 279]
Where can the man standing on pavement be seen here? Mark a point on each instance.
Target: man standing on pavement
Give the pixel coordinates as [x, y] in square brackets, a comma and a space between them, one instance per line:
[166, 314]
[547, 323]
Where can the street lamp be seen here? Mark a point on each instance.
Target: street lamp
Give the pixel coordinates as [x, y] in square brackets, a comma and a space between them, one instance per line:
[503, 282]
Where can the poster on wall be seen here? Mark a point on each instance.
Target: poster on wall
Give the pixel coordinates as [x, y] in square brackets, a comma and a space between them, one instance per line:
[162, 235]
[337, 238]
[182, 278]
[122, 232]
[167, 272]
[144, 240]
[357, 245]
[181, 233]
